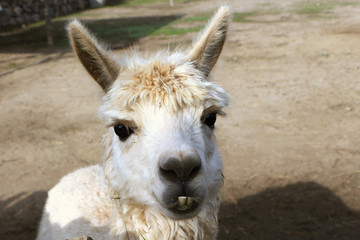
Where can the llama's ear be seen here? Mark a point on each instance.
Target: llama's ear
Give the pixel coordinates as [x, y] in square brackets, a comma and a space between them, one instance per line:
[96, 60]
[209, 43]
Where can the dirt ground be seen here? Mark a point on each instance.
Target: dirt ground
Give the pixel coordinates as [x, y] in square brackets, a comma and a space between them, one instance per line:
[290, 141]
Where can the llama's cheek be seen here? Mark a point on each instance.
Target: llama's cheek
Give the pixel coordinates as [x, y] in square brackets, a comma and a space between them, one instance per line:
[209, 145]
[131, 172]
[157, 189]
[214, 175]
[124, 147]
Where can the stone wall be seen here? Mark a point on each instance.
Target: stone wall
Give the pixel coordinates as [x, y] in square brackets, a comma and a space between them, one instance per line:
[25, 11]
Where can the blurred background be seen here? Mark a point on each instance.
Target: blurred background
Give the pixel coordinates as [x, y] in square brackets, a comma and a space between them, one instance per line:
[291, 138]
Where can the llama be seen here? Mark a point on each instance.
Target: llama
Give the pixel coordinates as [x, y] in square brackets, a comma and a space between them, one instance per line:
[162, 171]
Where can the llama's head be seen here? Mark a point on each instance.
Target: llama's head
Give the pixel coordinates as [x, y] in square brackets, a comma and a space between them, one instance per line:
[161, 110]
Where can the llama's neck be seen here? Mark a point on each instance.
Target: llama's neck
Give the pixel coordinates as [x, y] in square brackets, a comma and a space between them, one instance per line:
[133, 221]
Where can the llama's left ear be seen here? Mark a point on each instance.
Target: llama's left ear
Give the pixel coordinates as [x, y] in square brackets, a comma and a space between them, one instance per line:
[209, 43]
[95, 58]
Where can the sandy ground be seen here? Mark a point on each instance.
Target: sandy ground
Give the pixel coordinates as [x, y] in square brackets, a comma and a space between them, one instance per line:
[290, 141]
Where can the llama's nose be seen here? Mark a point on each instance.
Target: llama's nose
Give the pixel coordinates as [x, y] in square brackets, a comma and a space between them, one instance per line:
[180, 168]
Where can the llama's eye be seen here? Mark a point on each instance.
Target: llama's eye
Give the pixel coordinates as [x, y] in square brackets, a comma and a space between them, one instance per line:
[210, 120]
[123, 131]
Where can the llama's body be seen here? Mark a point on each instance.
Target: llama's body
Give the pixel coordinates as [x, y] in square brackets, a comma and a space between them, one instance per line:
[89, 208]
[162, 172]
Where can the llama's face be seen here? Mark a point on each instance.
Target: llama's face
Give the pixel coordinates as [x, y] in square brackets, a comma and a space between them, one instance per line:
[162, 121]
[161, 113]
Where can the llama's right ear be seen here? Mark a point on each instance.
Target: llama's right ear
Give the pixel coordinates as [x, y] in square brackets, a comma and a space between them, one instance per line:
[96, 60]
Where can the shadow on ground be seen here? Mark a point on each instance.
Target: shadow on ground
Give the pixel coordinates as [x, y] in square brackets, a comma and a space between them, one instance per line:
[300, 211]
[20, 215]
[118, 32]
[303, 211]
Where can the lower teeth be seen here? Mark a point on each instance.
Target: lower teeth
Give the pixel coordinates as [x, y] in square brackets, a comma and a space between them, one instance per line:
[184, 203]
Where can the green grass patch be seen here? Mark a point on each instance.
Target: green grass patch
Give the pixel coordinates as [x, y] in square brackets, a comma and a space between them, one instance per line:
[348, 3]
[316, 8]
[133, 3]
[111, 33]
[265, 4]
[141, 2]
[243, 16]
[13, 65]
[312, 8]
[168, 30]
[198, 18]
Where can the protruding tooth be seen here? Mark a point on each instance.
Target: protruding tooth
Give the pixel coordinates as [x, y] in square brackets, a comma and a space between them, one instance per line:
[182, 201]
[189, 201]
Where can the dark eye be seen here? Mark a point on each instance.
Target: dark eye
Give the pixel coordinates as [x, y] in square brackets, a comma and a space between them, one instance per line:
[123, 131]
[210, 120]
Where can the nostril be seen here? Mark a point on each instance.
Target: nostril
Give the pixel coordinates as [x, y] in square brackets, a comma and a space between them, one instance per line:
[195, 171]
[169, 174]
[192, 166]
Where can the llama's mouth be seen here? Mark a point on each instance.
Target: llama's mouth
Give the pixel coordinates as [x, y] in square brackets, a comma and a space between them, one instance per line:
[185, 203]
[185, 207]
[179, 203]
